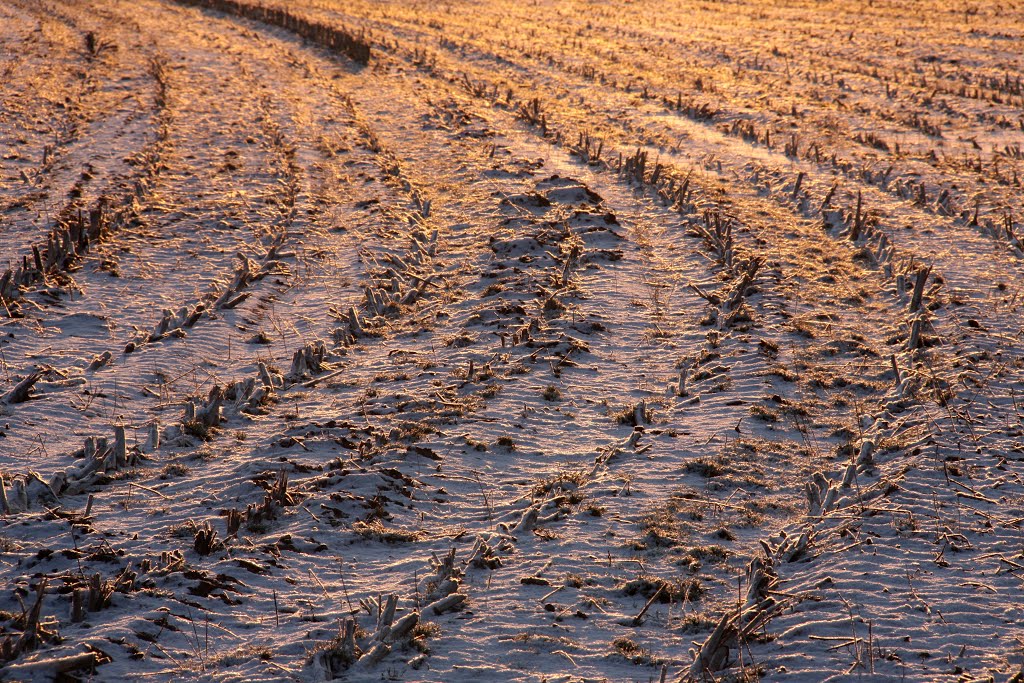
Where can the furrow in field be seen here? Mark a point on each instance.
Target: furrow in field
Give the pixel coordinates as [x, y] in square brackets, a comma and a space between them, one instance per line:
[467, 478]
[951, 266]
[563, 379]
[237, 194]
[110, 112]
[653, 79]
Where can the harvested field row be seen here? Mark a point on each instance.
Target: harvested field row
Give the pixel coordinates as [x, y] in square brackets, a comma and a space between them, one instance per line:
[552, 342]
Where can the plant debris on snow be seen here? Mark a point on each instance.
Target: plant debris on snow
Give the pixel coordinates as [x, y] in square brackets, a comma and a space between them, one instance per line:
[554, 341]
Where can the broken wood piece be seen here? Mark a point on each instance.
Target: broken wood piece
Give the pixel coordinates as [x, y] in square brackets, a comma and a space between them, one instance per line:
[445, 604]
[53, 666]
[386, 618]
[22, 390]
[101, 360]
[404, 626]
[374, 655]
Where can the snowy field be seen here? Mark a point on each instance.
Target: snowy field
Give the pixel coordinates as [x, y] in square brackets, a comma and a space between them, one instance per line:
[492, 340]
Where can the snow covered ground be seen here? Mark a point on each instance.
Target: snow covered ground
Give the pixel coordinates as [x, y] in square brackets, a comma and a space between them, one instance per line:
[561, 341]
